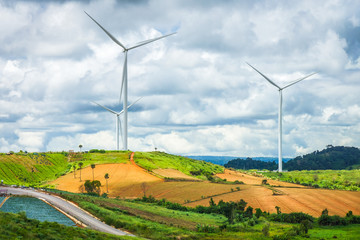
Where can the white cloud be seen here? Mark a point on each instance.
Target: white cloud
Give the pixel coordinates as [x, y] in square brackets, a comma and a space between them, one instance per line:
[200, 97]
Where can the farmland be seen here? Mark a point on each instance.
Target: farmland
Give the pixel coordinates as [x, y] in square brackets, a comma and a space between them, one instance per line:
[131, 181]
[160, 219]
[184, 183]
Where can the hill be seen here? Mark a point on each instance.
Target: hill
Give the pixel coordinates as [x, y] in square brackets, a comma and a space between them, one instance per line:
[222, 160]
[250, 164]
[32, 168]
[335, 158]
[35, 169]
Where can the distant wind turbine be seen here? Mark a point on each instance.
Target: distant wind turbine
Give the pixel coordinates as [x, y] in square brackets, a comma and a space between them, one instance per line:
[124, 82]
[118, 121]
[280, 110]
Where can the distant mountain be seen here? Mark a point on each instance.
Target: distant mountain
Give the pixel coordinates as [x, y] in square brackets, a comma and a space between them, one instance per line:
[221, 160]
[330, 158]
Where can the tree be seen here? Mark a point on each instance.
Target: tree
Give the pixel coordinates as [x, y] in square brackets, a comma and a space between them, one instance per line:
[92, 167]
[106, 178]
[74, 167]
[80, 166]
[92, 186]
[144, 188]
[278, 210]
[80, 146]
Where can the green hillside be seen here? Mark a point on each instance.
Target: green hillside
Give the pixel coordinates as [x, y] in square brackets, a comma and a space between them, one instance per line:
[35, 169]
[32, 168]
[338, 157]
[191, 167]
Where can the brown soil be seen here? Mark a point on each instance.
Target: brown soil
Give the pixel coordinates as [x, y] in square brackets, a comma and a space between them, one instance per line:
[120, 176]
[172, 173]
[231, 175]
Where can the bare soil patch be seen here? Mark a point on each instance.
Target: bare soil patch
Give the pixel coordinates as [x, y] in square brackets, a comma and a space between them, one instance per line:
[121, 176]
[231, 175]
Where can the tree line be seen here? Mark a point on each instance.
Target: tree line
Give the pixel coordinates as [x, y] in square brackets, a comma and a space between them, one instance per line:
[335, 158]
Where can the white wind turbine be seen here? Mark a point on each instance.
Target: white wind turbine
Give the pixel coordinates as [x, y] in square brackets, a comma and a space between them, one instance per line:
[280, 110]
[124, 82]
[118, 121]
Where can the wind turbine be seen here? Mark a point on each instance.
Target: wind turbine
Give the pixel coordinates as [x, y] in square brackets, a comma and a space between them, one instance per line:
[124, 82]
[280, 110]
[118, 121]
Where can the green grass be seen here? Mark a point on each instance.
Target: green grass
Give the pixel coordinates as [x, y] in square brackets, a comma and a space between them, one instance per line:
[18, 226]
[155, 160]
[32, 169]
[350, 232]
[107, 157]
[330, 179]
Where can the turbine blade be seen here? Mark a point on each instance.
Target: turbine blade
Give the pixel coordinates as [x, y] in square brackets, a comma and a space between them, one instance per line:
[108, 109]
[130, 105]
[135, 102]
[150, 40]
[265, 77]
[298, 80]
[109, 34]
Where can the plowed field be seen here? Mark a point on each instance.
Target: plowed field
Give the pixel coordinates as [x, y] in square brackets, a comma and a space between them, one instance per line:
[129, 180]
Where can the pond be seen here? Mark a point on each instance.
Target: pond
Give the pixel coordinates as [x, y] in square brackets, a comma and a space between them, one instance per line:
[35, 209]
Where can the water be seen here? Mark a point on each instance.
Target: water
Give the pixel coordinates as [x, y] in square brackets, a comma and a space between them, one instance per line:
[35, 209]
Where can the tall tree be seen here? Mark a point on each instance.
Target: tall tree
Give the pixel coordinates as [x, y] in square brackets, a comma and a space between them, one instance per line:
[74, 167]
[106, 178]
[80, 166]
[92, 167]
[80, 146]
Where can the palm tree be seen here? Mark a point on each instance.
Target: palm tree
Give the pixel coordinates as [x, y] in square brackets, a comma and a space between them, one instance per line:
[80, 165]
[74, 167]
[93, 166]
[80, 146]
[107, 177]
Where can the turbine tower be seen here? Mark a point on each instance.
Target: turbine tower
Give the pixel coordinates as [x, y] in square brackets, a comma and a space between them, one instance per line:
[124, 82]
[280, 110]
[118, 121]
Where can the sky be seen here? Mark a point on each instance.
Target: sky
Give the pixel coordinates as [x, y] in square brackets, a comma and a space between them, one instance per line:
[199, 95]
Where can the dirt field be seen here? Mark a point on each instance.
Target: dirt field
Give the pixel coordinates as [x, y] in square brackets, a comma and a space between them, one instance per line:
[130, 181]
[248, 179]
[172, 173]
[121, 176]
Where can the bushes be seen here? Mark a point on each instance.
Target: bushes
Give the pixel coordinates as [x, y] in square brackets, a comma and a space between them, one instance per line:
[97, 151]
[296, 217]
[326, 220]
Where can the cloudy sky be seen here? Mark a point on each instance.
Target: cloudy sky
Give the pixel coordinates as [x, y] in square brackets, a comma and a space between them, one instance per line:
[199, 95]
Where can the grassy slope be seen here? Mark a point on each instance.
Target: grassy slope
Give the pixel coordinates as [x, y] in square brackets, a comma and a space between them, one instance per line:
[17, 226]
[32, 169]
[330, 179]
[154, 160]
[35, 169]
